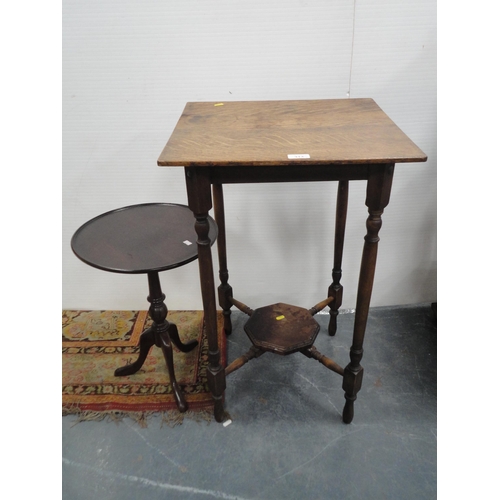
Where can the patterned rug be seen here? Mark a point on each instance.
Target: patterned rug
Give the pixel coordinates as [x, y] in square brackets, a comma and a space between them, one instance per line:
[95, 343]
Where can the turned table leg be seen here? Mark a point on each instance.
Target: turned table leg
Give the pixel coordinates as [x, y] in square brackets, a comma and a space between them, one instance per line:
[377, 197]
[200, 202]
[225, 290]
[336, 288]
[158, 312]
[162, 334]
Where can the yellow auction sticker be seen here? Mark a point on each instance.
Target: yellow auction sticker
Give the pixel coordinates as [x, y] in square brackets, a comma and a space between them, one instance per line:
[280, 317]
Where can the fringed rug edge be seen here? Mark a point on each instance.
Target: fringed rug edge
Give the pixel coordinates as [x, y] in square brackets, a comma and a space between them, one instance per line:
[171, 418]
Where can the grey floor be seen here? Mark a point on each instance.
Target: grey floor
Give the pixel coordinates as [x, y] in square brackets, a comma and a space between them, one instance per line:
[286, 439]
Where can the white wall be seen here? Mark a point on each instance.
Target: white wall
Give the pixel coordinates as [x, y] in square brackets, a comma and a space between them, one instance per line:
[129, 67]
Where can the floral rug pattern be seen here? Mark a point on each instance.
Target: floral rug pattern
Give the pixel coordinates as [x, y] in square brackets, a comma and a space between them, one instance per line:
[95, 343]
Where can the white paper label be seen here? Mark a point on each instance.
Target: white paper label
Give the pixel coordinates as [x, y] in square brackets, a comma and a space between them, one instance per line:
[187, 242]
[297, 157]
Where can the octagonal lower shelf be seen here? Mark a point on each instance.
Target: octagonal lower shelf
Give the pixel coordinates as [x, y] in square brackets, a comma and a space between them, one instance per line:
[282, 328]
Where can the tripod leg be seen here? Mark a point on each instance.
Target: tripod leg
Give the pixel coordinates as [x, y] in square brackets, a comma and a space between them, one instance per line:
[146, 341]
[174, 337]
[166, 347]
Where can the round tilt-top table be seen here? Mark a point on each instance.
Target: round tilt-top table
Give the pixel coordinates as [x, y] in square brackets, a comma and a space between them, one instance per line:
[145, 239]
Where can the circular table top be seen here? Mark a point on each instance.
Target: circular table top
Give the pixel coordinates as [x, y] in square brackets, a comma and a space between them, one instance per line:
[140, 238]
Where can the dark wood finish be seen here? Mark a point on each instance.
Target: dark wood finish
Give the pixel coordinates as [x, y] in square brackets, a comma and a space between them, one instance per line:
[225, 290]
[146, 239]
[320, 306]
[241, 142]
[200, 202]
[242, 307]
[139, 239]
[162, 334]
[312, 352]
[253, 352]
[378, 190]
[283, 338]
[336, 289]
[245, 174]
[282, 328]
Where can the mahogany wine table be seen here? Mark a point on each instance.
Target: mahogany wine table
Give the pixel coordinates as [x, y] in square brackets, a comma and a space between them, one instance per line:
[283, 141]
[145, 239]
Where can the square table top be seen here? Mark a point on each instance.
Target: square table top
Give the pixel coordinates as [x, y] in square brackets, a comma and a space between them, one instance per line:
[266, 133]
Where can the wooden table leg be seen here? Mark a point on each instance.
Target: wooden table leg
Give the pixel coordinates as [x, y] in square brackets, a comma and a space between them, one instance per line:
[146, 341]
[158, 312]
[162, 334]
[336, 288]
[200, 202]
[377, 197]
[225, 290]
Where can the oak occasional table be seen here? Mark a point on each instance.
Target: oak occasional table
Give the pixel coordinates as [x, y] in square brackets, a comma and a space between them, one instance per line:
[286, 141]
[145, 239]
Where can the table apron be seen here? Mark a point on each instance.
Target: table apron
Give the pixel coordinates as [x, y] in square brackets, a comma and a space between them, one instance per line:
[292, 173]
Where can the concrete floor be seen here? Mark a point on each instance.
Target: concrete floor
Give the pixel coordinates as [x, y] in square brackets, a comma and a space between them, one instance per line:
[286, 439]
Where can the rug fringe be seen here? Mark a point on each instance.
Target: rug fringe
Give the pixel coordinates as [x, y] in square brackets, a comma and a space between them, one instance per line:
[171, 418]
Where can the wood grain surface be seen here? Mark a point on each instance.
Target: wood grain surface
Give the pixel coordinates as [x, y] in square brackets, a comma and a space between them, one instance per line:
[264, 133]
